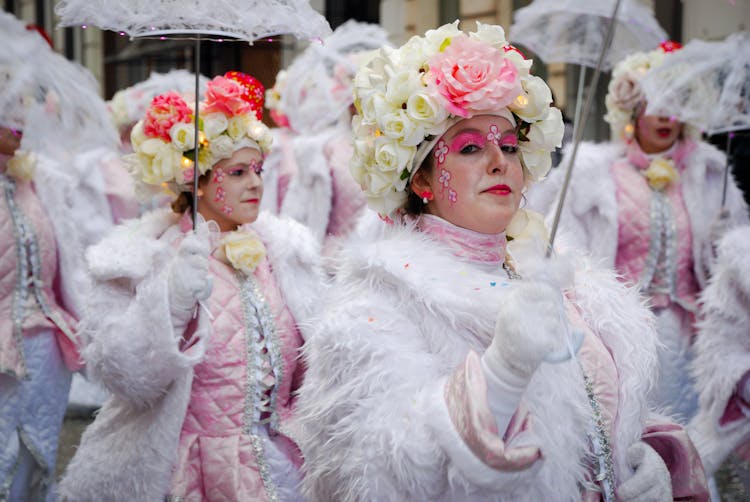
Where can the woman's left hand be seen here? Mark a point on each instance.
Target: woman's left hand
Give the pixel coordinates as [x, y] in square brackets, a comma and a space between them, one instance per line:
[651, 481]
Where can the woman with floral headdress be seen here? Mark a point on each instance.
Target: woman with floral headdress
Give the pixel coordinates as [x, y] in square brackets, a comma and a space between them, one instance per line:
[51, 204]
[315, 99]
[198, 343]
[431, 375]
[649, 205]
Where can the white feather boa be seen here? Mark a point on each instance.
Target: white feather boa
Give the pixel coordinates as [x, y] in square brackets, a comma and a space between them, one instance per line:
[401, 316]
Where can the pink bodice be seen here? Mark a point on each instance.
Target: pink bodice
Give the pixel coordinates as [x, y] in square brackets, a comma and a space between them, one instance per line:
[33, 305]
[221, 454]
[635, 202]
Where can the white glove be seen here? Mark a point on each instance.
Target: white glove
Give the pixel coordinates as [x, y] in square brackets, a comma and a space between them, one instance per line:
[530, 324]
[651, 481]
[189, 282]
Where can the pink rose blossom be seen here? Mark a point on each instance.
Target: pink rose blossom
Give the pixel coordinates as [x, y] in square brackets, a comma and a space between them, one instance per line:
[226, 96]
[474, 77]
[165, 111]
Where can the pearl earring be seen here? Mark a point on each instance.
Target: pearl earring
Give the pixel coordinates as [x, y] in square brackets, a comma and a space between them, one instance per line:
[426, 196]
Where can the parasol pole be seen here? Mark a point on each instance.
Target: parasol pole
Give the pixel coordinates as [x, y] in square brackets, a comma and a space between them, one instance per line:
[579, 129]
[727, 166]
[197, 130]
[579, 99]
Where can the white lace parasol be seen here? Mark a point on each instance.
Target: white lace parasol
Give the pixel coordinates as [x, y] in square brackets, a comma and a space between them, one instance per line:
[706, 84]
[54, 101]
[244, 19]
[574, 31]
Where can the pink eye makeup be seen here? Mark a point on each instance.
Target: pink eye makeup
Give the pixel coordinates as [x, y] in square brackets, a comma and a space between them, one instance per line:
[256, 166]
[465, 139]
[508, 139]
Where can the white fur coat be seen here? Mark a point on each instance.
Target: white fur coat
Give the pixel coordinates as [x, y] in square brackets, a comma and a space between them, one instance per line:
[589, 217]
[401, 316]
[722, 349]
[130, 448]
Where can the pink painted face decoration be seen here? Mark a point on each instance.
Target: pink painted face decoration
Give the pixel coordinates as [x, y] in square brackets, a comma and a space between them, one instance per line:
[233, 190]
[480, 178]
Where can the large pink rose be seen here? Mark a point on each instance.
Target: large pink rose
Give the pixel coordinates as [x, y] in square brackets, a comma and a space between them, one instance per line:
[474, 77]
[165, 111]
[226, 96]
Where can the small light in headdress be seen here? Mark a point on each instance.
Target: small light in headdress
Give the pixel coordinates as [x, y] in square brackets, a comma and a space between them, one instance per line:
[521, 101]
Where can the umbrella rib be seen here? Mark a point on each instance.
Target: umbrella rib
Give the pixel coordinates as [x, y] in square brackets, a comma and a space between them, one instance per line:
[196, 171]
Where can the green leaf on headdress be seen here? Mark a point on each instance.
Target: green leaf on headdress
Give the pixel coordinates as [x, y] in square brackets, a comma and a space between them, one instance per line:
[404, 174]
[189, 154]
[445, 44]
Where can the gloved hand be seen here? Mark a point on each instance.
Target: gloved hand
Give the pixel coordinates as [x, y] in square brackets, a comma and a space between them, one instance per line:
[651, 481]
[530, 325]
[188, 279]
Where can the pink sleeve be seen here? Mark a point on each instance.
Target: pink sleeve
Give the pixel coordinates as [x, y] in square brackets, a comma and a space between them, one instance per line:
[119, 189]
[673, 445]
[466, 399]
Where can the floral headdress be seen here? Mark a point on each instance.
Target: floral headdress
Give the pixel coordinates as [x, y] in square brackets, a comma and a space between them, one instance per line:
[624, 94]
[164, 140]
[273, 100]
[130, 104]
[406, 98]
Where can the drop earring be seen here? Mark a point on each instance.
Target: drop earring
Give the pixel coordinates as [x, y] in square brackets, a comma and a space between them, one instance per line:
[426, 196]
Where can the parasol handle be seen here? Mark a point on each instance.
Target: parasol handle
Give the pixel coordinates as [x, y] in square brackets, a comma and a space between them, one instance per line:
[579, 128]
[197, 139]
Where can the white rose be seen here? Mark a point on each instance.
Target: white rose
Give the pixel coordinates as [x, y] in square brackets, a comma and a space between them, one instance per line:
[386, 203]
[390, 156]
[527, 225]
[534, 104]
[424, 108]
[435, 39]
[413, 54]
[183, 136]
[522, 64]
[118, 109]
[548, 133]
[152, 146]
[377, 182]
[237, 126]
[214, 124]
[358, 168]
[137, 136]
[163, 165]
[401, 85]
[538, 161]
[490, 34]
[222, 147]
[376, 105]
[21, 166]
[399, 126]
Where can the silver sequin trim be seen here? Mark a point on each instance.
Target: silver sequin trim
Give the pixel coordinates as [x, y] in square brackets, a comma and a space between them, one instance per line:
[263, 355]
[28, 271]
[660, 269]
[600, 440]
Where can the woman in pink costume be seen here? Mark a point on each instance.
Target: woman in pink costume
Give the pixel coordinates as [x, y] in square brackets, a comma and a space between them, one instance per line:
[649, 205]
[198, 343]
[315, 186]
[51, 205]
[431, 376]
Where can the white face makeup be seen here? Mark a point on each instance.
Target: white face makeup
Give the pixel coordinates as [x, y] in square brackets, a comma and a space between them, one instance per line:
[232, 193]
[477, 179]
